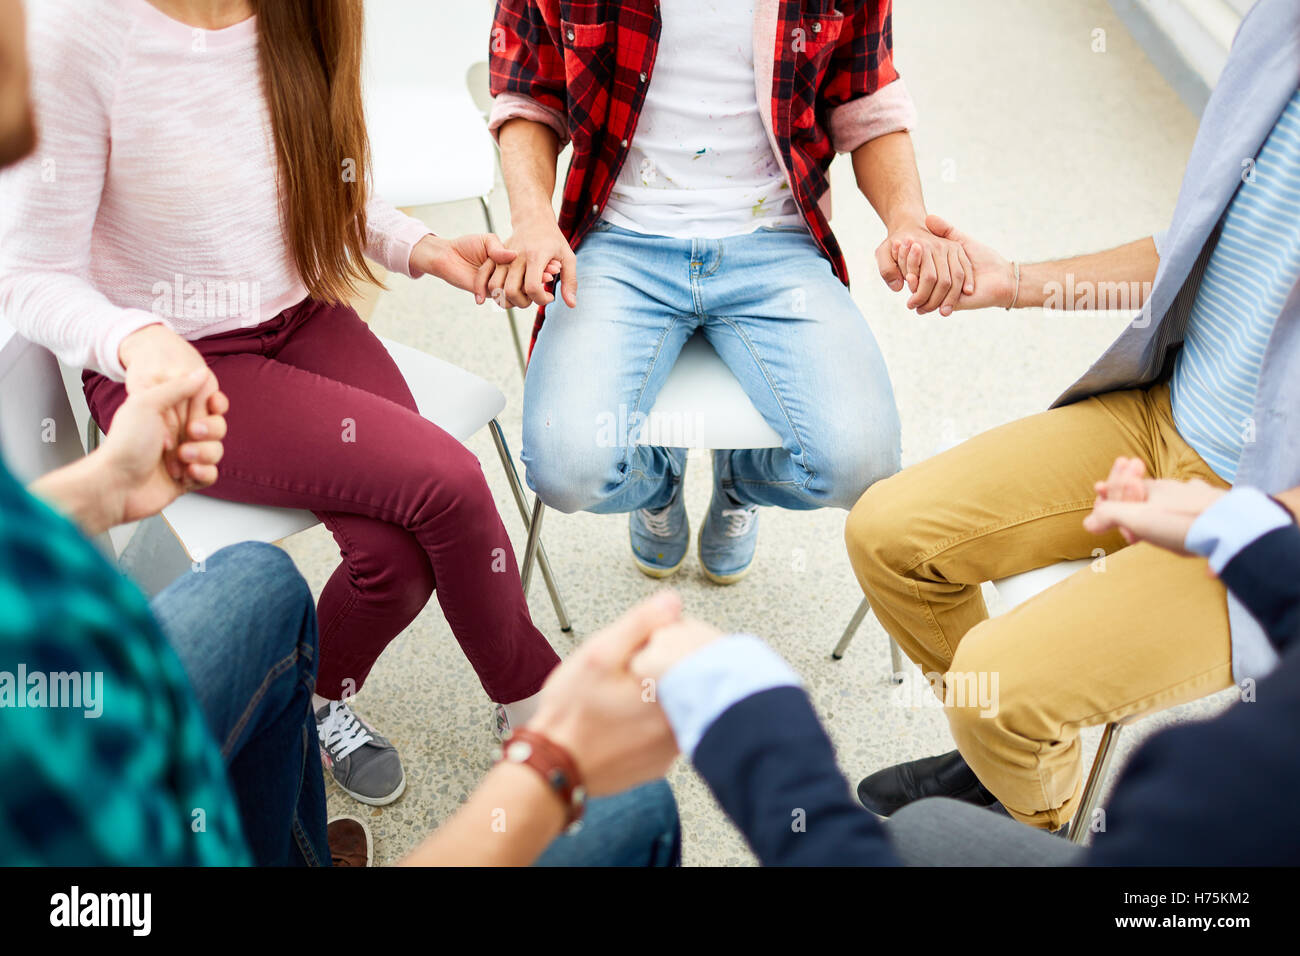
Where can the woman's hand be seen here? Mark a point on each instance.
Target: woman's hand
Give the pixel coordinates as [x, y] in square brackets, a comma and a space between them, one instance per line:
[602, 713]
[155, 354]
[461, 262]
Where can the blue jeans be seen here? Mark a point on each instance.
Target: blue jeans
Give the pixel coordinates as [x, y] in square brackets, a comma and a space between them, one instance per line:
[771, 307]
[244, 627]
[636, 828]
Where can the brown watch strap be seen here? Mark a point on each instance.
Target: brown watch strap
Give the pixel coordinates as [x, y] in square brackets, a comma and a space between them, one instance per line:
[553, 763]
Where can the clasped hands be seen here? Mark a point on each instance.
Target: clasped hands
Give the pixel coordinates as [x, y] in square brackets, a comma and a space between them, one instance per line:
[944, 269]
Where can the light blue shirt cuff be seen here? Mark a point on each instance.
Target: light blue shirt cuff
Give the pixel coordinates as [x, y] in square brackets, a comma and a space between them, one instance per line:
[1231, 524]
[700, 688]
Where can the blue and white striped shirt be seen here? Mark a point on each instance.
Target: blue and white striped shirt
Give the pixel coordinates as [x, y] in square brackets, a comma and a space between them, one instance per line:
[1248, 279]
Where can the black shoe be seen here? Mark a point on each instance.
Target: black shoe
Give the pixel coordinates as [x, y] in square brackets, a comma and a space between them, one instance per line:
[887, 791]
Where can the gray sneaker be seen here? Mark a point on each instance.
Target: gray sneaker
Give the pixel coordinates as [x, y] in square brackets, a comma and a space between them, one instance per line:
[362, 762]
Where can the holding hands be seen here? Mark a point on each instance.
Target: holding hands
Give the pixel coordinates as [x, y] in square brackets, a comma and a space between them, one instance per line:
[1160, 511]
[945, 269]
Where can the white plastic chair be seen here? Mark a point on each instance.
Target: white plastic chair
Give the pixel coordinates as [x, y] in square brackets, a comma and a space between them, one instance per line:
[701, 405]
[428, 137]
[38, 432]
[457, 401]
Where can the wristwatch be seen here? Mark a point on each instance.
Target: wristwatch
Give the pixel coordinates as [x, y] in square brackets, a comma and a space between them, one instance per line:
[553, 763]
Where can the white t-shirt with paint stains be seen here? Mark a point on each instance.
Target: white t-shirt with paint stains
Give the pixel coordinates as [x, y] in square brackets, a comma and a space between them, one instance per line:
[701, 165]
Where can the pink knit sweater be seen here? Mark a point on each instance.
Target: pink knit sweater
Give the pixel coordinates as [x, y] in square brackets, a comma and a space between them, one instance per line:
[152, 195]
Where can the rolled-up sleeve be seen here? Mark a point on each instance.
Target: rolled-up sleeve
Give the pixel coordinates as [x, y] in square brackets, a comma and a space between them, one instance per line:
[862, 92]
[527, 66]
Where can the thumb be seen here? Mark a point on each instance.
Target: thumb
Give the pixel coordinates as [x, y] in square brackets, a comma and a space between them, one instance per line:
[176, 390]
[888, 266]
[617, 643]
[497, 252]
[569, 281]
[943, 228]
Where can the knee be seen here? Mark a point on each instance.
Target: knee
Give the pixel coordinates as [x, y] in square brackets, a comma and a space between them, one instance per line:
[855, 469]
[263, 592]
[567, 473]
[253, 568]
[983, 690]
[875, 532]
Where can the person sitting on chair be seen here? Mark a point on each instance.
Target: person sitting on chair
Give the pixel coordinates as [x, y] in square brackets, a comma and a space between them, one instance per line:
[697, 202]
[1191, 795]
[202, 200]
[1204, 384]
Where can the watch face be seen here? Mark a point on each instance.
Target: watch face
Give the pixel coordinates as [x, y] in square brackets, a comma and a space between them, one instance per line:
[519, 751]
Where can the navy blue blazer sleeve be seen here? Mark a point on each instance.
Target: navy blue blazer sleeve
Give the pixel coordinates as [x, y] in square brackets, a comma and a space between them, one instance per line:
[1265, 577]
[772, 767]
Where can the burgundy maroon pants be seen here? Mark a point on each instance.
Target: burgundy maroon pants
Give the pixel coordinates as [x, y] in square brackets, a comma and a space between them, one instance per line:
[320, 418]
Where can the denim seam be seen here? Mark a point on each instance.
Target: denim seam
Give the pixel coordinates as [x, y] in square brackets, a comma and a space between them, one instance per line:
[640, 391]
[300, 837]
[780, 401]
[276, 670]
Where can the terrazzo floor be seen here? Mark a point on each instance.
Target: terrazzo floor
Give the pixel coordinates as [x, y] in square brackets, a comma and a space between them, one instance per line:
[1030, 140]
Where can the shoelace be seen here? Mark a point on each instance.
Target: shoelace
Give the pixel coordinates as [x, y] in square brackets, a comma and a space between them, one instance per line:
[657, 521]
[342, 732]
[739, 520]
[501, 722]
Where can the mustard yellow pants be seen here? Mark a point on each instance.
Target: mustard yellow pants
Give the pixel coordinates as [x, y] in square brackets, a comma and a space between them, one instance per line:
[1140, 631]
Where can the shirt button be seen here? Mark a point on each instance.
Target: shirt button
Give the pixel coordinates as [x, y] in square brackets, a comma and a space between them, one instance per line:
[625, 144]
[817, 28]
[595, 209]
[643, 77]
[570, 36]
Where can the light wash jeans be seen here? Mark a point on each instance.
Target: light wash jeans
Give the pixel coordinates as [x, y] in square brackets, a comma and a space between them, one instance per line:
[771, 307]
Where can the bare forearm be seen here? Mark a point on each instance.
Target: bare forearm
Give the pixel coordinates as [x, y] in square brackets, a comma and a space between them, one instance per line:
[83, 493]
[508, 821]
[885, 168]
[1118, 278]
[529, 152]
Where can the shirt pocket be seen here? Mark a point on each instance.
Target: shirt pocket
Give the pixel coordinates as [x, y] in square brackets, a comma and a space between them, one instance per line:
[816, 38]
[589, 61]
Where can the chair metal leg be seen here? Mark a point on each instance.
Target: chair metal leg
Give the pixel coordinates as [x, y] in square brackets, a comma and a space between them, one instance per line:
[1082, 822]
[510, 312]
[854, 623]
[521, 502]
[895, 653]
[93, 435]
[534, 539]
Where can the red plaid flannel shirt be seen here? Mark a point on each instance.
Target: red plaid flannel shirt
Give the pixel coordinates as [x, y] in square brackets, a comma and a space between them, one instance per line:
[583, 66]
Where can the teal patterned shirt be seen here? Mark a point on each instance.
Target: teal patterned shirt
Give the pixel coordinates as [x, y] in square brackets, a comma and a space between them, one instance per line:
[107, 758]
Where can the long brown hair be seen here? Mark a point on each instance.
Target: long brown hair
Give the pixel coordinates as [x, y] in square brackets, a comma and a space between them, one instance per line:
[310, 52]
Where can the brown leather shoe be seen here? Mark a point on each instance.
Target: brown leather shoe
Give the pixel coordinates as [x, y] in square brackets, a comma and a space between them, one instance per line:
[350, 843]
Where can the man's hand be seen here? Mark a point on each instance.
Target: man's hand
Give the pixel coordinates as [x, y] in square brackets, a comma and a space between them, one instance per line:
[464, 263]
[670, 645]
[156, 354]
[544, 253]
[994, 276]
[135, 455]
[936, 269]
[595, 707]
[1158, 511]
